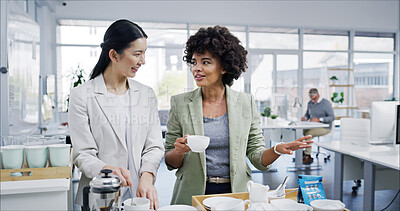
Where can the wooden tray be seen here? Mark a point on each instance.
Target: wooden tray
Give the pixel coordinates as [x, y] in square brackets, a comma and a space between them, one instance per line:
[197, 201]
[36, 173]
[47, 172]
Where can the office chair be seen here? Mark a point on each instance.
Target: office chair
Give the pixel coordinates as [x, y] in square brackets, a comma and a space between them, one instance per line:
[330, 134]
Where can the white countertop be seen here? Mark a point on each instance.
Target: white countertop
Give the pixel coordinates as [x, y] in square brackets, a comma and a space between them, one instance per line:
[284, 124]
[34, 186]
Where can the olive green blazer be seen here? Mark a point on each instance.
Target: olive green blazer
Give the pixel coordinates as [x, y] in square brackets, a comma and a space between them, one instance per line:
[245, 138]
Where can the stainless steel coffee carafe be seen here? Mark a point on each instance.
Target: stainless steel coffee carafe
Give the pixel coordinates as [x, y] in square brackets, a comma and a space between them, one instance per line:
[103, 192]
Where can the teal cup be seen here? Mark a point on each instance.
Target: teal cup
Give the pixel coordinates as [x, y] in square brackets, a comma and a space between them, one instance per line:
[1, 162]
[12, 156]
[36, 156]
[59, 154]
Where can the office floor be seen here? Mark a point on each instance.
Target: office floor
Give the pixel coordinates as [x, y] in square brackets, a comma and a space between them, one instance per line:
[353, 201]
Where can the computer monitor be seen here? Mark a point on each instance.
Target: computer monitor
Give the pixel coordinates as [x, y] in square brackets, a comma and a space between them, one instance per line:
[397, 137]
[383, 118]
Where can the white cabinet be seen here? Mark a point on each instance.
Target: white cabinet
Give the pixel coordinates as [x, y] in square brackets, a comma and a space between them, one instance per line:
[47, 194]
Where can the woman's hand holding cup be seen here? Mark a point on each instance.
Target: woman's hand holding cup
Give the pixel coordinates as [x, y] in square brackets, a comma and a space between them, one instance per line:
[180, 145]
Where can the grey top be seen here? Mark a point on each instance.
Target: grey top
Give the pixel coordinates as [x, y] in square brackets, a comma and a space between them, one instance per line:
[322, 109]
[217, 152]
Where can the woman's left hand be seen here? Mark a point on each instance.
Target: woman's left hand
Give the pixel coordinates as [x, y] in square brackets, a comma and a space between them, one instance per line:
[288, 148]
[146, 189]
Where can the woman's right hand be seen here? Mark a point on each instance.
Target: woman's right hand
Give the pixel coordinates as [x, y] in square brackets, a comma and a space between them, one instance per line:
[180, 145]
[174, 157]
[122, 173]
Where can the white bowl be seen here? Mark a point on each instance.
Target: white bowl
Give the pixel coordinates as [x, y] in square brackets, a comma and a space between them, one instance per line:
[327, 204]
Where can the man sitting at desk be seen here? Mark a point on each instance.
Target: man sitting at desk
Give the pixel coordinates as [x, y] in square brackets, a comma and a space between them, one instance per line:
[318, 110]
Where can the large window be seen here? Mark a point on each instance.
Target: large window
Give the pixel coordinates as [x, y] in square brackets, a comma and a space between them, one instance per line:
[273, 38]
[261, 67]
[315, 65]
[373, 41]
[164, 71]
[273, 60]
[326, 40]
[373, 77]
[373, 69]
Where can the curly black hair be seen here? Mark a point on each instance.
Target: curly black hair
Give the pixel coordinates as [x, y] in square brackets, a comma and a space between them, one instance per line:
[220, 43]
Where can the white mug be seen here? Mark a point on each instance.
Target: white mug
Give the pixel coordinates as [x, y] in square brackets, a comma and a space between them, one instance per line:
[231, 205]
[139, 204]
[198, 143]
[258, 193]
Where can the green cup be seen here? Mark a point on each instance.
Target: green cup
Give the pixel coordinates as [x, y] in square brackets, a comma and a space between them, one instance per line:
[1, 162]
[36, 156]
[12, 156]
[59, 154]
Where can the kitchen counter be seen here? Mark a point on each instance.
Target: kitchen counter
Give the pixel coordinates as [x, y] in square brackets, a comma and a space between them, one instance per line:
[46, 194]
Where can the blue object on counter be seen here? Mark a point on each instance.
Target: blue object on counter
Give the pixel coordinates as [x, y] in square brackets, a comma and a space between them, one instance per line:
[310, 189]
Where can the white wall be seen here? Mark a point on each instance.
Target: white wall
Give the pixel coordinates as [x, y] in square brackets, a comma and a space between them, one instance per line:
[382, 15]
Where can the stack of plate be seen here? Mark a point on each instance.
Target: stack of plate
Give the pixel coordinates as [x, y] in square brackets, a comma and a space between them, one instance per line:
[214, 201]
[178, 207]
[327, 204]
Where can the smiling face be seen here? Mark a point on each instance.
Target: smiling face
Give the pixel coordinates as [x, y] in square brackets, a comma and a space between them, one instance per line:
[207, 69]
[132, 58]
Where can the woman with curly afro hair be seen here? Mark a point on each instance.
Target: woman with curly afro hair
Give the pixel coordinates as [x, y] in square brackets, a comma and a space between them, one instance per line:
[229, 118]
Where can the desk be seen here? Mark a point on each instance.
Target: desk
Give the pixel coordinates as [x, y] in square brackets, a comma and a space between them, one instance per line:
[297, 128]
[372, 156]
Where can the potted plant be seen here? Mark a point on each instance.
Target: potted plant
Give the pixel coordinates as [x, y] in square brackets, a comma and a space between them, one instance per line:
[333, 79]
[274, 116]
[336, 99]
[77, 78]
[265, 114]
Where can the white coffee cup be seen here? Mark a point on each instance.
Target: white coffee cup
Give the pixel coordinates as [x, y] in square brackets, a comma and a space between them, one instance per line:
[231, 205]
[198, 143]
[138, 204]
[258, 193]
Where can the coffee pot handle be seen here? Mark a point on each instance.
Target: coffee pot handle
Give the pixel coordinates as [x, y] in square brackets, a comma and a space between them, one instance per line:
[86, 191]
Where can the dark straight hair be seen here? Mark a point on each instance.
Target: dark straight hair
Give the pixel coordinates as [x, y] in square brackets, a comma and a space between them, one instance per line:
[118, 37]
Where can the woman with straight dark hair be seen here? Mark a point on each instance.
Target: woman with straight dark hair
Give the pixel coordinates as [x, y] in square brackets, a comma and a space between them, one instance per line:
[114, 120]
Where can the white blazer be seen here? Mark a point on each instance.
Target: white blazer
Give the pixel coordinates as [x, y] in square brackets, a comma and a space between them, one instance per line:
[97, 137]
